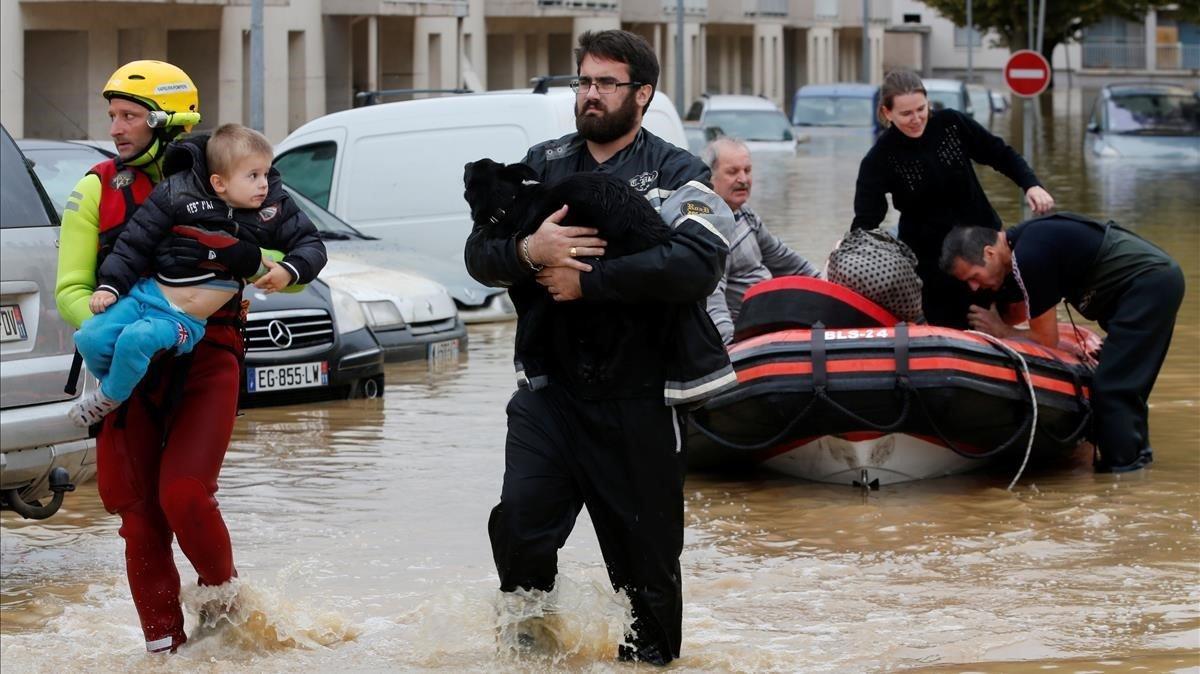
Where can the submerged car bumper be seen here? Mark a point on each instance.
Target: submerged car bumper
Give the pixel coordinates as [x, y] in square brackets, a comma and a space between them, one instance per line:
[350, 367]
[497, 307]
[437, 341]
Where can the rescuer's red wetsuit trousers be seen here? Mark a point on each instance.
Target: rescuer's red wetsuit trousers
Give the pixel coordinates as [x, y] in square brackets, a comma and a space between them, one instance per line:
[157, 467]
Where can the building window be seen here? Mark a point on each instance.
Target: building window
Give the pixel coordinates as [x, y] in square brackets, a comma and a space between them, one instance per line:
[912, 18]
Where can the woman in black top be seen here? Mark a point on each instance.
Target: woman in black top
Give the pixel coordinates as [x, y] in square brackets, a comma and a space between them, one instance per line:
[924, 161]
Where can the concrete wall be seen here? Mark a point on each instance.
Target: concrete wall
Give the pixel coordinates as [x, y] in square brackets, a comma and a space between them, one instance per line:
[76, 46]
[315, 61]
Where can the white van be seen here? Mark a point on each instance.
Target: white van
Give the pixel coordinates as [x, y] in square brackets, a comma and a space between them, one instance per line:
[395, 170]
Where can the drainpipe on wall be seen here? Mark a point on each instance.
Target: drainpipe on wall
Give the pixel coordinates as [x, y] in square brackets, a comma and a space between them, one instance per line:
[256, 65]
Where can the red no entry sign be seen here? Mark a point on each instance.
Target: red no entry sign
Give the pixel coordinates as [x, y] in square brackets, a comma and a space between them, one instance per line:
[1027, 73]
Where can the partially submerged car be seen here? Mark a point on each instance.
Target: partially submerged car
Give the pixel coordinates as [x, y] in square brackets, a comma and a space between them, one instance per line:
[308, 345]
[42, 453]
[838, 109]
[412, 317]
[1145, 120]
[981, 103]
[949, 94]
[754, 120]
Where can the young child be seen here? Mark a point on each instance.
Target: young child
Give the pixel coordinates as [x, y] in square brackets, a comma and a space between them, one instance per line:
[216, 190]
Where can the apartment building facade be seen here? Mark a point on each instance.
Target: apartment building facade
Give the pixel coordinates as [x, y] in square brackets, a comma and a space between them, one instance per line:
[320, 54]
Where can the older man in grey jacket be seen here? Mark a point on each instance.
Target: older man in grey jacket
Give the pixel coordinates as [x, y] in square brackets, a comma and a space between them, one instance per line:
[755, 254]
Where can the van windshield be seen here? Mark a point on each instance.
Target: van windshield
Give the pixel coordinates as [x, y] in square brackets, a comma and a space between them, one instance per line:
[833, 111]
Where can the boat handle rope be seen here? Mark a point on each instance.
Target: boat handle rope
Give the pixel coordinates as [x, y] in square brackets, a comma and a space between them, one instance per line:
[1032, 400]
[902, 383]
[1028, 425]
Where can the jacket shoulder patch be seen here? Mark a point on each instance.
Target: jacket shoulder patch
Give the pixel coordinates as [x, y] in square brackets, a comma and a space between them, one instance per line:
[695, 208]
[121, 180]
[643, 181]
[268, 213]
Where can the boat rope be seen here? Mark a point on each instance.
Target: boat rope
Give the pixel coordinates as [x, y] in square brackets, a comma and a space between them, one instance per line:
[1032, 398]
[774, 440]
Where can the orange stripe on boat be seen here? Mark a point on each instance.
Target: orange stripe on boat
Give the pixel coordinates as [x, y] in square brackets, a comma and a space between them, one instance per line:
[888, 366]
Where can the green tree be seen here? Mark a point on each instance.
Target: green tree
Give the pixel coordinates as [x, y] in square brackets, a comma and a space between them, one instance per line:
[1064, 19]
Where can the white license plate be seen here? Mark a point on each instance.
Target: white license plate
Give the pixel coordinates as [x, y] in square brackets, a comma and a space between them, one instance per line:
[284, 377]
[441, 353]
[12, 326]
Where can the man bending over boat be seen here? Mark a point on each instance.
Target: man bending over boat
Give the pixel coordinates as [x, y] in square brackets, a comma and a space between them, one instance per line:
[1131, 287]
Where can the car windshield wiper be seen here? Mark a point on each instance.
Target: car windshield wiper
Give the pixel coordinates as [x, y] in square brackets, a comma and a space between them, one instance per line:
[334, 236]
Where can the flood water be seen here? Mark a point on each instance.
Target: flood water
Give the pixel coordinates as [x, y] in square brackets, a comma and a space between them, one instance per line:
[359, 527]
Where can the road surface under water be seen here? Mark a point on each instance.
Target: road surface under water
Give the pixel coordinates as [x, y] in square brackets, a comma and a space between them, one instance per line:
[360, 526]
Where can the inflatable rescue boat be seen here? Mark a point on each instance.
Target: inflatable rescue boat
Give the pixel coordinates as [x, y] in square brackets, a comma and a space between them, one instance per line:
[832, 388]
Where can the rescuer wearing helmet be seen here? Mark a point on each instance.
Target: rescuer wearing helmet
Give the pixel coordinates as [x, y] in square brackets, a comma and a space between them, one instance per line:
[159, 455]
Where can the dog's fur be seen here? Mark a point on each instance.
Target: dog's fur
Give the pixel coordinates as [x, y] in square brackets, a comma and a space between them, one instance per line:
[506, 203]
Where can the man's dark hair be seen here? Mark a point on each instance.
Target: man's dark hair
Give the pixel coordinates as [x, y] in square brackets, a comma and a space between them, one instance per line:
[623, 47]
[967, 243]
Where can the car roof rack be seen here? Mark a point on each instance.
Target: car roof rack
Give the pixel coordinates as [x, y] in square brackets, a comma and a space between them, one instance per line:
[373, 97]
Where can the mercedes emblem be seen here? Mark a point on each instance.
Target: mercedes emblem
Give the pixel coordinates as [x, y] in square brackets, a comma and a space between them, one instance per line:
[279, 333]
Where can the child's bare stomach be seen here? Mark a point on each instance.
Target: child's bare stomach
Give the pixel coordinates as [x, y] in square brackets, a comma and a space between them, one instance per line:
[195, 300]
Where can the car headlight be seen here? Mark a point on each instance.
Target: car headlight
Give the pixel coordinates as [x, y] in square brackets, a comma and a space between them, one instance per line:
[346, 312]
[382, 314]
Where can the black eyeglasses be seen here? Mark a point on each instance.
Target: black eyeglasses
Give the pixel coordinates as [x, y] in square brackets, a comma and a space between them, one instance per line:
[604, 85]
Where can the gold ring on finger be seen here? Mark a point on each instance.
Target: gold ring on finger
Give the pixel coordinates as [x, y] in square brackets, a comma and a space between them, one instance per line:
[573, 251]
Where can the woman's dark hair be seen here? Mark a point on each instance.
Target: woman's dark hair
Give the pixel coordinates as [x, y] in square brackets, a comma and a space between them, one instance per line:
[966, 243]
[623, 47]
[897, 83]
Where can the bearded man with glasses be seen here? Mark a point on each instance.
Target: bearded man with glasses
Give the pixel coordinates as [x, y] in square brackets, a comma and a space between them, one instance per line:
[609, 433]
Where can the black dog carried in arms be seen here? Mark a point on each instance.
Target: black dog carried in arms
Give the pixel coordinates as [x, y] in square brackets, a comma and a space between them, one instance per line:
[506, 202]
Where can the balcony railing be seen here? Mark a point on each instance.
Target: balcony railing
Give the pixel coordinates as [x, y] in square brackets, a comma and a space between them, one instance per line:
[1114, 55]
[597, 5]
[690, 7]
[765, 7]
[1178, 56]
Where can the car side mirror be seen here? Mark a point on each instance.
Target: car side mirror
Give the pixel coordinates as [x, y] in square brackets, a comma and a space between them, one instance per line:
[1093, 127]
[712, 133]
[788, 135]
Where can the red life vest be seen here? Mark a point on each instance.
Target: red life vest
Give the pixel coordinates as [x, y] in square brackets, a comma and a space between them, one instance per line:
[122, 190]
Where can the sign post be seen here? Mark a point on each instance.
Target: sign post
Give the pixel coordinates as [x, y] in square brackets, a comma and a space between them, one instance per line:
[1027, 75]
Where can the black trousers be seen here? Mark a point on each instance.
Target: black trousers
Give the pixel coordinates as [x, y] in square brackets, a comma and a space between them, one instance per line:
[624, 460]
[1139, 334]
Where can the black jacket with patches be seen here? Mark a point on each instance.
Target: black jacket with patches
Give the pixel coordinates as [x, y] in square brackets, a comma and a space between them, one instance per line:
[183, 204]
[665, 345]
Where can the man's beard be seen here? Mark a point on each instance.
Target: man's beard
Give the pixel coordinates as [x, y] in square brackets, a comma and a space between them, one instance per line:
[608, 126]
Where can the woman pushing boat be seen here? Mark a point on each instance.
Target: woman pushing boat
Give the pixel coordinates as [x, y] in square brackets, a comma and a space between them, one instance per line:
[923, 159]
